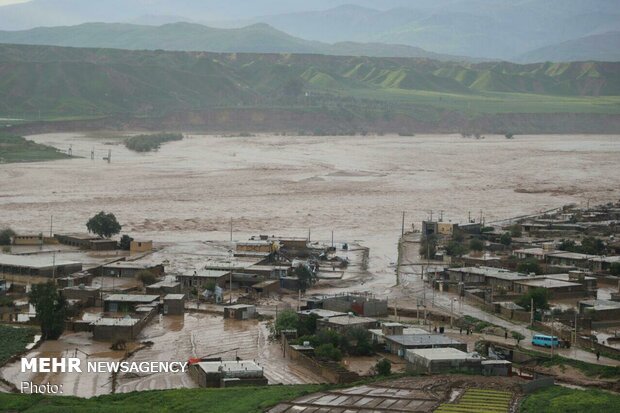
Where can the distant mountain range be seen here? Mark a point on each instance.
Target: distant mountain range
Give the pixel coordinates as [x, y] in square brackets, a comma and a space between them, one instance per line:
[257, 38]
[524, 30]
[602, 47]
[478, 28]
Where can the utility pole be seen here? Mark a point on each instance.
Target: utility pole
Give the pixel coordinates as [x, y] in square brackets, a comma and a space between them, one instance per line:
[451, 312]
[230, 255]
[51, 225]
[532, 311]
[402, 230]
[308, 234]
[441, 215]
[431, 215]
[54, 267]
[469, 217]
[231, 229]
[332, 238]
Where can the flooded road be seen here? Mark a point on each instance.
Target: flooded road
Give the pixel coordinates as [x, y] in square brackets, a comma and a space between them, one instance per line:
[356, 186]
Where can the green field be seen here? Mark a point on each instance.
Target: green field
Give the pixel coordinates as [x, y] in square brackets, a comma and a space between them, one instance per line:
[14, 340]
[17, 149]
[479, 401]
[558, 399]
[233, 400]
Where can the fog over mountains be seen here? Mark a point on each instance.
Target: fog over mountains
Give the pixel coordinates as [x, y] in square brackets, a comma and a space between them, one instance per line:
[516, 30]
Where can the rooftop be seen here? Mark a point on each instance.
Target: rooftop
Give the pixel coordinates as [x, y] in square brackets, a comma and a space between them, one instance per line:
[322, 313]
[548, 283]
[422, 339]
[121, 322]
[601, 304]
[491, 272]
[240, 306]
[202, 273]
[346, 320]
[132, 298]
[230, 366]
[130, 264]
[34, 261]
[164, 283]
[572, 255]
[447, 353]
[174, 297]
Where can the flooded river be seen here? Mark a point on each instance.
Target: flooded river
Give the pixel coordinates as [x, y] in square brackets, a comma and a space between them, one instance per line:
[356, 186]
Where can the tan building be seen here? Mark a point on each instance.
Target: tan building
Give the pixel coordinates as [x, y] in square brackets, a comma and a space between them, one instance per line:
[138, 246]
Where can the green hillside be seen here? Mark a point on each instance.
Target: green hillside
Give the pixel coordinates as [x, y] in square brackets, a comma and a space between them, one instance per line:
[62, 82]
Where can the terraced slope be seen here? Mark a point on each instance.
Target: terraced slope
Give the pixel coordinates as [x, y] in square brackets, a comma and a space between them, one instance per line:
[479, 401]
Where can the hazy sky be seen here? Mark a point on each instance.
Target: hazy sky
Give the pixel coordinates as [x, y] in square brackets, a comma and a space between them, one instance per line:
[5, 2]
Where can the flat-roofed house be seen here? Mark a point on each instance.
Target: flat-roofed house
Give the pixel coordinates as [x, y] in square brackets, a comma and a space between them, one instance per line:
[131, 268]
[227, 373]
[400, 343]
[37, 265]
[128, 302]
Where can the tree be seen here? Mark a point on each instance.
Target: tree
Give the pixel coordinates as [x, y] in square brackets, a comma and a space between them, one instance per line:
[125, 242]
[509, 135]
[287, 320]
[614, 269]
[516, 230]
[5, 236]
[476, 245]
[517, 336]
[308, 325]
[528, 266]
[428, 247]
[328, 352]
[383, 367]
[360, 342]
[103, 225]
[456, 249]
[540, 297]
[592, 245]
[146, 277]
[50, 308]
[506, 239]
[306, 277]
[567, 245]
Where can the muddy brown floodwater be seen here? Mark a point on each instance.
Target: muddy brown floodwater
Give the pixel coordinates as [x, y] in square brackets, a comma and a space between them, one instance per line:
[356, 186]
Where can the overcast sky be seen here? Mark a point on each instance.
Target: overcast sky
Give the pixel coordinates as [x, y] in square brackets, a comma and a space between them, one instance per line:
[5, 2]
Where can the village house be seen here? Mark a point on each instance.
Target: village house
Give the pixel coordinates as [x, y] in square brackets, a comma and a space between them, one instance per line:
[37, 265]
[400, 343]
[604, 313]
[202, 279]
[393, 329]
[556, 288]
[227, 373]
[86, 241]
[130, 269]
[128, 302]
[442, 360]
[164, 287]
[240, 311]
[140, 246]
[174, 304]
[341, 324]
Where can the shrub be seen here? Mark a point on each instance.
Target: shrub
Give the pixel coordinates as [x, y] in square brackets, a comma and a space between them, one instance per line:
[5, 236]
[328, 352]
[383, 367]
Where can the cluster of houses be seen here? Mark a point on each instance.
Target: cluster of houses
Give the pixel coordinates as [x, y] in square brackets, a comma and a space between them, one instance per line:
[423, 351]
